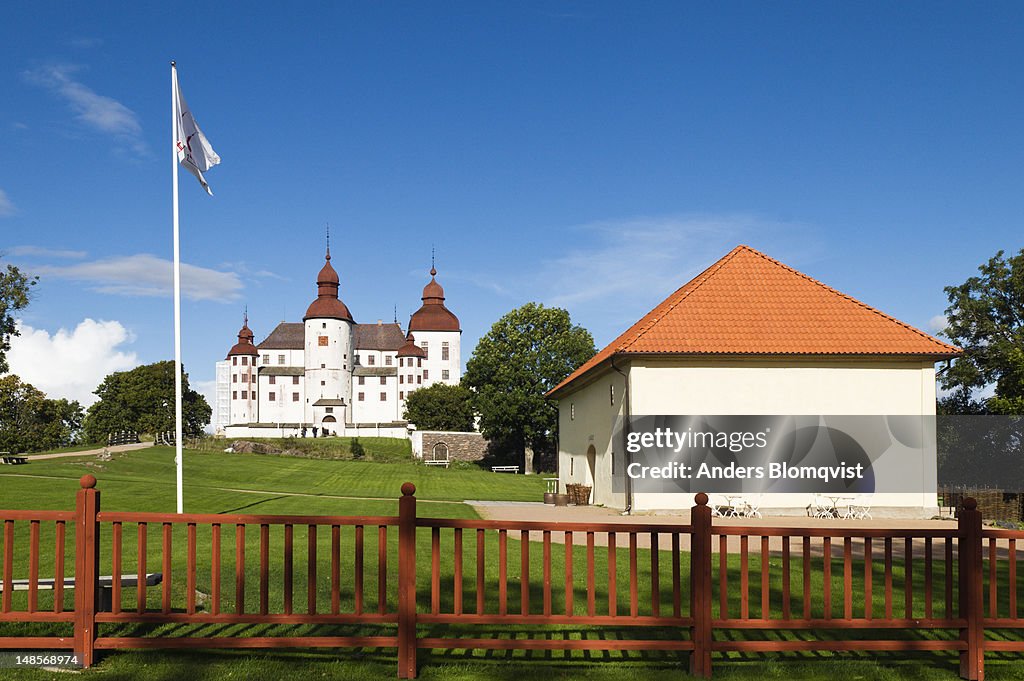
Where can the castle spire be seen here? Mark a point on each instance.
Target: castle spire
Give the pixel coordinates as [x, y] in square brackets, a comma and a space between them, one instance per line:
[328, 241]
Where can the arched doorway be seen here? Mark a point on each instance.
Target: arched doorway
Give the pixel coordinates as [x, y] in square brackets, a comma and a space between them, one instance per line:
[591, 465]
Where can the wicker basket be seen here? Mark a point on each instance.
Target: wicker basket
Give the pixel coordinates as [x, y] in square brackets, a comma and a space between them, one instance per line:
[580, 494]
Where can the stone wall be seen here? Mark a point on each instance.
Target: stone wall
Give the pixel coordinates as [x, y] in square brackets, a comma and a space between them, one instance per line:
[461, 446]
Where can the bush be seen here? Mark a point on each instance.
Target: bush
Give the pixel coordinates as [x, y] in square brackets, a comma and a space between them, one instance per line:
[356, 447]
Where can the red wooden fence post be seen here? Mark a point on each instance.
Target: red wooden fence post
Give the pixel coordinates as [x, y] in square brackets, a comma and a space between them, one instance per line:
[87, 565]
[407, 582]
[972, 660]
[700, 586]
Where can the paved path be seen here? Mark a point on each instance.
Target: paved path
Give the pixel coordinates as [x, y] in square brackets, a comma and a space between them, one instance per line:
[534, 511]
[90, 452]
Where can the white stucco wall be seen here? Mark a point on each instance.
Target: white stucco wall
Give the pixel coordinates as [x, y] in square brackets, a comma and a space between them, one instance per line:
[433, 365]
[744, 386]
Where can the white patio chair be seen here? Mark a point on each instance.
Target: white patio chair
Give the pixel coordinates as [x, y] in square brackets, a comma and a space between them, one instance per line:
[821, 507]
[752, 507]
[860, 507]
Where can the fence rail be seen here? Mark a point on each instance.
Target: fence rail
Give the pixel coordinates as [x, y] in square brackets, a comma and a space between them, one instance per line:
[870, 589]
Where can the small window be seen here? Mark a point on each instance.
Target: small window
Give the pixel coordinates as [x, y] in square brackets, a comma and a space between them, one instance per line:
[440, 452]
[387, 360]
[234, 361]
[245, 394]
[419, 362]
[280, 359]
[362, 396]
[329, 410]
[234, 394]
[245, 361]
[613, 462]
[271, 396]
[401, 378]
[383, 397]
[323, 325]
[273, 380]
[383, 380]
[572, 411]
[444, 351]
[424, 346]
[419, 380]
[444, 374]
[234, 378]
[295, 397]
[245, 378]
[426, 373]
[611, 394]
[323, 382]
[410, 378]
[401, 395]
[371, 360]
[295, 380]
[323, 366]
[266, 359]
[572, 464]
[362, 380]
[401, 361]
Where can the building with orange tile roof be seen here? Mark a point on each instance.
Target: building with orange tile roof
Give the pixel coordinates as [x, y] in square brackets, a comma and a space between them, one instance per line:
[748, 335]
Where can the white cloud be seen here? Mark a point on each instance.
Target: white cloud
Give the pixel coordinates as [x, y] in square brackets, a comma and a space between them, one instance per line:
[71, 364]
[99, 112]
[146, 275]
[46, 252]
[207, 389]
[6, 205]
[938, 323]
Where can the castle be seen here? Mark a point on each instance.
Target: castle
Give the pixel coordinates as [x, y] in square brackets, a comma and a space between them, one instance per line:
[331, 374]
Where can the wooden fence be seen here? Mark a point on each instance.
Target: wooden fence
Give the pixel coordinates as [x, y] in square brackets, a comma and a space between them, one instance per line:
[813, 589]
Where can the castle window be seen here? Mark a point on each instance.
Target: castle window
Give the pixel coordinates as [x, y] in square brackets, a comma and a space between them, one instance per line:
[266, 359]
[444, 351]
[371, 360]
[611, 394]
[401, 378]
[323, 366]
[383, 380]
[401, 361]
[419, 362]
[272, 396]
[419, 380]
[234, 361]
[383, 397]
[280, 359]
[245, 378]
[572, 411]
[362, 380]
[295, 380]
[323, 382]
[410, 378]
[444, 374]
[387, 360]
[234, 394]
[440, 452]
[329, 410]
[426, 373]
[273, 380]
[295, 397]
[424, 346]
[234, 378]
[245, 394]
[362, 396]
[245, 361]
[401, 395]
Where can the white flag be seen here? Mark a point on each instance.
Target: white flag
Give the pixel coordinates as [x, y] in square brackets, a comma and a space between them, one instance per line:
[193, 149]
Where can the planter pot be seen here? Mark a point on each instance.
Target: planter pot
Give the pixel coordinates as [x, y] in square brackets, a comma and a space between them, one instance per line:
[561, 500]
[549, 497]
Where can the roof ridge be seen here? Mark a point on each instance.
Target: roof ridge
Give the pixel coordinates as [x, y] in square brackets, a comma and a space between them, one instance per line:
[710, 271]
[839, 293]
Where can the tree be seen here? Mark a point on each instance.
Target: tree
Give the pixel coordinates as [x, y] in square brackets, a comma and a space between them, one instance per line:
[14, 296]
[142, 399]
[30, 422]
[986, 318]
[525, 354]
[440, 407]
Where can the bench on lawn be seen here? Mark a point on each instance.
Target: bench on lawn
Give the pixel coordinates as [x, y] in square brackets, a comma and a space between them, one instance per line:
[505, 469]
[7, 457]
[437, 462]
[106, 584]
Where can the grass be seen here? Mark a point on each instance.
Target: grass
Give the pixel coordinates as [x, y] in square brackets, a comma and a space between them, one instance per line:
[378, 449]
[217, 482]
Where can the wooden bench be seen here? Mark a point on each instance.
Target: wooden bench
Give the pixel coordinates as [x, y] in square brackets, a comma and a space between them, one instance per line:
[106, 585]
[437, 462]
[505, 469]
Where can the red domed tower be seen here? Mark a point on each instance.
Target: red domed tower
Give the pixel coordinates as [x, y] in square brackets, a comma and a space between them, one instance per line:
[437, 329]
[242, 357]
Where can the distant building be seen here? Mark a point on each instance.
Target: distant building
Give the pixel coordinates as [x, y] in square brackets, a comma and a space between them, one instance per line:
[748, 336]
[328, 372]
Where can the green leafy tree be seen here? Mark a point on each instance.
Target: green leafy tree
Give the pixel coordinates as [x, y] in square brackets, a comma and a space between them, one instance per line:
[525, 354]
[986, 318]
[440, 407]
[14, 296]
[143, 400]
[30, 422]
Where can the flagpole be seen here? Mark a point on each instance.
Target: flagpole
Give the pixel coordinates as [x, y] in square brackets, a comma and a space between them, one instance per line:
[177, 292]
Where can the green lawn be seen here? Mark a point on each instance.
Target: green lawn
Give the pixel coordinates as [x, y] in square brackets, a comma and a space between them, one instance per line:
[260, 484]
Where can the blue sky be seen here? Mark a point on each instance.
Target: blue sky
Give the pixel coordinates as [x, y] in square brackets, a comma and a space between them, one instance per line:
[588, 155]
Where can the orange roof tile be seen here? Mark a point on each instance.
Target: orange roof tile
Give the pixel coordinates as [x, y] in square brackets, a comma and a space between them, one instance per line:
[750, 304]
